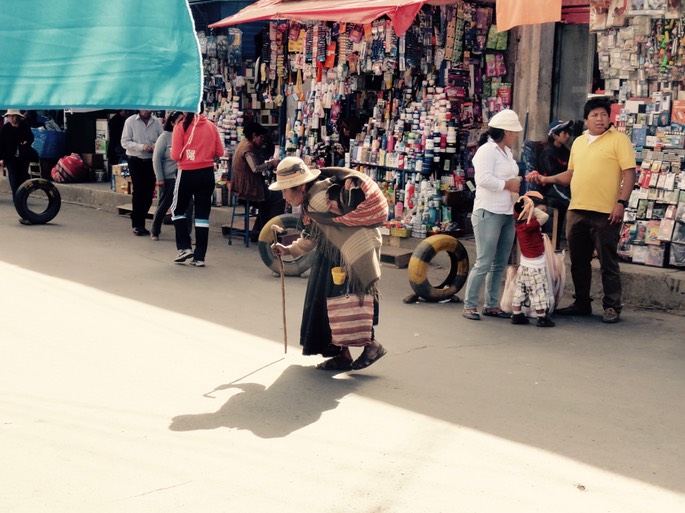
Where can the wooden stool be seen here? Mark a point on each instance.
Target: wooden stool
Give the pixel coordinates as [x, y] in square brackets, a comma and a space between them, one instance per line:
[34, 170]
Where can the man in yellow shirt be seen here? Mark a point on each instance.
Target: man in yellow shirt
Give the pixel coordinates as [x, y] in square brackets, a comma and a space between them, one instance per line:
[601, 173]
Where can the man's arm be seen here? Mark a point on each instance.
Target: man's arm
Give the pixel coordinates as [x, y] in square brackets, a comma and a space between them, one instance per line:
[627, 185]
[127, 138]
[561, 179]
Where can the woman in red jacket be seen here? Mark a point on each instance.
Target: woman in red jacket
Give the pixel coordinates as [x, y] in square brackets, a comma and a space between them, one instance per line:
[195, 144]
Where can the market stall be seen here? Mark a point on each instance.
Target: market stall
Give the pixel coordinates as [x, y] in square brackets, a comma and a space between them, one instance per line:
[402, 98]
[640, 47]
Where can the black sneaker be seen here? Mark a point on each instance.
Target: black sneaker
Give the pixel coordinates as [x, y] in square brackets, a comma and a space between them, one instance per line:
[519, 318]
[140, 232]
[575, 309]
[544, 322]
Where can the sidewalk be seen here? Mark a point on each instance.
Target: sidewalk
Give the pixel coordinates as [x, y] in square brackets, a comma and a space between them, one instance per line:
[643, 286]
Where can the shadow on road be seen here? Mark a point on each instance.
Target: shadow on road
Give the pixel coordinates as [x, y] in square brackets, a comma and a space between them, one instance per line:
[295, 400]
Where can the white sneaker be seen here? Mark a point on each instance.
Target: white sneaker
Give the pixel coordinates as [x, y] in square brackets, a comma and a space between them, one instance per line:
[183, 255]
[197, 263]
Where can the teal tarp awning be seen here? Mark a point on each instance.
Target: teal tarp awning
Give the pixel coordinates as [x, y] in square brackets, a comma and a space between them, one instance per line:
[131, 54]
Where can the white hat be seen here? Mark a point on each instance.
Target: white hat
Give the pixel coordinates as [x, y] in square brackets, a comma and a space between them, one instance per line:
[506, 120]
[291, 172]
[12, 112]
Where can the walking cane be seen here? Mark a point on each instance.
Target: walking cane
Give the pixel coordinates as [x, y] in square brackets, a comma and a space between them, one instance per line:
[276, 230]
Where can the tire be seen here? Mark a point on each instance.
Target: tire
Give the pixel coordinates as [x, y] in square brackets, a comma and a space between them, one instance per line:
[418, 268]
[291, 267]
[21, 201]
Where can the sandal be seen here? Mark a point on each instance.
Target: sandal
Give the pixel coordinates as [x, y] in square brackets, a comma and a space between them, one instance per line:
[337, 363]
[496, 312]
[365, 360]
[471, 314]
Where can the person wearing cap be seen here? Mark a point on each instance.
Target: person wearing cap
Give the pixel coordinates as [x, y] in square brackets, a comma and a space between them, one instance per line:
[342, 211]
[16, 139]
[553, 159]
[497, 188]
[601, 174]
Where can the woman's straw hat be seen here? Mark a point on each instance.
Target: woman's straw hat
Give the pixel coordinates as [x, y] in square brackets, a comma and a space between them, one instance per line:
[12, 112]
[291, 172]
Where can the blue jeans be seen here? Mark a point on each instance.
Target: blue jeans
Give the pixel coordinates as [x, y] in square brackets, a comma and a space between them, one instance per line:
[494, 235]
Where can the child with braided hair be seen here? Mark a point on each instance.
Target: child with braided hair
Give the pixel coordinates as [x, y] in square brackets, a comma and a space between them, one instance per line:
[531, 278]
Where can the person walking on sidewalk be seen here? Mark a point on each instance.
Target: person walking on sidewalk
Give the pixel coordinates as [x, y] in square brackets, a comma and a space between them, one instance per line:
[497, 187]
[601, 173]
[138, 139]
[342, 212]
[165, 172]
[195, 145]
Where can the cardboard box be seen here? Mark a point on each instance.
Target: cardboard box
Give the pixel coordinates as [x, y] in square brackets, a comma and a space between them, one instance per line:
[121, 179]
[122, 184]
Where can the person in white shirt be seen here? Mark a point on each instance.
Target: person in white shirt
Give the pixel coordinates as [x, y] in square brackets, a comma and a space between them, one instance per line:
[138, 139]
[497, 188]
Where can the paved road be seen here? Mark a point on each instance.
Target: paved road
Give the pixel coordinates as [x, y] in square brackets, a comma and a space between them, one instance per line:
[129, 384]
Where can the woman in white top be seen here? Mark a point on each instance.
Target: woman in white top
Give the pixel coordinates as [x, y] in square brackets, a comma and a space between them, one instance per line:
[497, 188]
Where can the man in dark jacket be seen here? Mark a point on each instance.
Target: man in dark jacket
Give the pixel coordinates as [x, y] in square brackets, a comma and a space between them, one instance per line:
[15, 148]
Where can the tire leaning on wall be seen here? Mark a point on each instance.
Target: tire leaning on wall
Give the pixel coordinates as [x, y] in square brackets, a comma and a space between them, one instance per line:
[21, 200]
[291, 267]
[421, 258]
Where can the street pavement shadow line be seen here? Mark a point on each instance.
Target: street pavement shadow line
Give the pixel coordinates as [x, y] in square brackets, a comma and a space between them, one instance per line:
[296, 399]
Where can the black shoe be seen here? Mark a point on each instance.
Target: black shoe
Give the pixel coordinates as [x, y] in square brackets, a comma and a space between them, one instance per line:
[496, 312]
[519, 318]
[140, 232]
[544, 322]
[575, 309]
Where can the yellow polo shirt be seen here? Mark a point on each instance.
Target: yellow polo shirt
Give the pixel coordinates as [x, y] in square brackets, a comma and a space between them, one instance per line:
[597, 170]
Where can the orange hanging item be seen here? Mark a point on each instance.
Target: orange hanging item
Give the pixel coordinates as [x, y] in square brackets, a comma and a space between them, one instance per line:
[512, 13]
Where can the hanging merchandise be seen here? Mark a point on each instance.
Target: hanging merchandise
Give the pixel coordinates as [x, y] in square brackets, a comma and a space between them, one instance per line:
[405, 110]
[640, 50]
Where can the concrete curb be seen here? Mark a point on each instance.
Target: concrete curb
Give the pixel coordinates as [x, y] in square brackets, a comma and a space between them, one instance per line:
[643, 286]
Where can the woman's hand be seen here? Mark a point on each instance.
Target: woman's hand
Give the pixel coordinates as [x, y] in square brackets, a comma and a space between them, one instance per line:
[280, 250]
[513, 184]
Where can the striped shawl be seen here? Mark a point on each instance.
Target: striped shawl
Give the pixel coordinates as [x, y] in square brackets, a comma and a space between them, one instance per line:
[353, 232]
